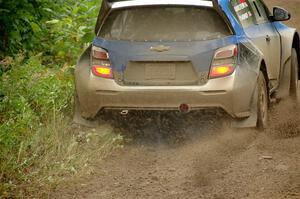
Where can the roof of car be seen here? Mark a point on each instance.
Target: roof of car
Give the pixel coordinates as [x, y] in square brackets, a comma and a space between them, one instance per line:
[129, 3]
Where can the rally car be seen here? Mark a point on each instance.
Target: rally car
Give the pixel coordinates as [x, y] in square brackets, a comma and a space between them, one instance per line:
[233, 55]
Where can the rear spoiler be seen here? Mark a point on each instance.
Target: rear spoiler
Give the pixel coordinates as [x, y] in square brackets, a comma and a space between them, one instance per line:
[106, 7]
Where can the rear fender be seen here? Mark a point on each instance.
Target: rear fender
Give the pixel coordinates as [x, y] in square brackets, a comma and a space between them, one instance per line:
[82, 78]
[287, 41]
[250, 59]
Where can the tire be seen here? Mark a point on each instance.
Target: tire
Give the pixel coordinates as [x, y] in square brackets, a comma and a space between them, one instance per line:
[294, 75]
[78, 119]
[262, 102]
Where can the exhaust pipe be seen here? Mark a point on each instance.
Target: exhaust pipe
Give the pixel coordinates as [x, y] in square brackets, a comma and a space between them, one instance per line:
[184, 108]
[124, 112]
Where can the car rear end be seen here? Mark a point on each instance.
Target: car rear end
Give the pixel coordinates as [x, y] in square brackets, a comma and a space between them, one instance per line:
[161, 57]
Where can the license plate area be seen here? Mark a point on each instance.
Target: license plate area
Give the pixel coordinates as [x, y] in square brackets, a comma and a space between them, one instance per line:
[166, 73]
[160, 71]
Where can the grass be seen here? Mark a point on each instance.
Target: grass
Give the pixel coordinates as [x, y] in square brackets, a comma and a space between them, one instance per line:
[39, 146]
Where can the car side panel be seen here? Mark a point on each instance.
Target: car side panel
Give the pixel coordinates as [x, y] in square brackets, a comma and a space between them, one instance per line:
[287, 35]
[271, 48]
[249, 62]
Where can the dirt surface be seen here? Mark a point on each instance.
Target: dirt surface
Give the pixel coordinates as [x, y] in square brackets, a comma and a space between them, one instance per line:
[196, 156]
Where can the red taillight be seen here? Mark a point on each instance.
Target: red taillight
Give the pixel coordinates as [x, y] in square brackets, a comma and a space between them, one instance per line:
[224, 62]
[221, 71]
[101, 66]
[102, 71]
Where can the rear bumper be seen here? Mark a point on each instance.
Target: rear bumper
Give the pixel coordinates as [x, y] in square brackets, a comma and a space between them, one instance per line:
[99, 93]
[159, 100]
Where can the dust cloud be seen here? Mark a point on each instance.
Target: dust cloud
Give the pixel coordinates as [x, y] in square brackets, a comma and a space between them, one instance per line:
[197, 155]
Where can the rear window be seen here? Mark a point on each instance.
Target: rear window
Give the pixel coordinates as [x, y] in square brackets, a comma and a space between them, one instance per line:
[164, 24]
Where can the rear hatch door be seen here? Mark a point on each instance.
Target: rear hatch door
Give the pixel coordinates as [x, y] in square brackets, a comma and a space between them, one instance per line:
[163, 45]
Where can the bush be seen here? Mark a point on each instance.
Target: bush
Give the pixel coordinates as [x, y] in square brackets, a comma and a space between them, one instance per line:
[38, 145]
[72, 31]
[20, 27]
[32, 98]
[58, 28]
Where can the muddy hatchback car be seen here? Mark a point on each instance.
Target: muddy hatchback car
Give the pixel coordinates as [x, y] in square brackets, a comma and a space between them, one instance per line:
[233, 55]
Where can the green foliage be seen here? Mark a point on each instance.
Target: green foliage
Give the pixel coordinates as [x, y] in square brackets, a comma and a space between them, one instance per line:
[20, 27]
[72, 31]
[37, 142]
[58, 28]
[40, 40]
[32, 97]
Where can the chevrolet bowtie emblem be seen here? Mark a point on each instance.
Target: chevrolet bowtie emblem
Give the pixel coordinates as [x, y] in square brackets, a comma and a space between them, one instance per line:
[160, 48]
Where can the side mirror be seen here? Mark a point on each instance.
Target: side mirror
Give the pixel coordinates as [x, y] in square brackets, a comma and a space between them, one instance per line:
[280, 14]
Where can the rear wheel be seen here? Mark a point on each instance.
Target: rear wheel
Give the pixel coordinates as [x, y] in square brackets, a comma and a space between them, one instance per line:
[262, 102]
[294, 74]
